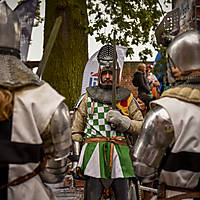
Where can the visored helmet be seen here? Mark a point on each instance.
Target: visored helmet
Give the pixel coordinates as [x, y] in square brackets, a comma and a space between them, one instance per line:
[105, 59]
[183, 52]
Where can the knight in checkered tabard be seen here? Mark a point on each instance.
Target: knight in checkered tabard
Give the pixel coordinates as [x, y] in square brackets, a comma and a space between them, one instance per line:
[103, 159]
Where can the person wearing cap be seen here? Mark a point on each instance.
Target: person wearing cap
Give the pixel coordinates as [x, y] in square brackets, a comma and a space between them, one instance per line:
[104, 158]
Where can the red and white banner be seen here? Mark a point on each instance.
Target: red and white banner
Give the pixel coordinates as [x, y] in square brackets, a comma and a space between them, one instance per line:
[90, 75]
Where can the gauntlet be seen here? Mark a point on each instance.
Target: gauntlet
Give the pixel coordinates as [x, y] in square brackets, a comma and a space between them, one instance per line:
[119, 121]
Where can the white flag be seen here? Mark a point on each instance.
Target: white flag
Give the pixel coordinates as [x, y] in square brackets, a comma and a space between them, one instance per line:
[90, 75]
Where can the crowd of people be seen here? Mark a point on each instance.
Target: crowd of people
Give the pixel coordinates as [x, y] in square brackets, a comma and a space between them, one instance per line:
[113, 142]
[146, 83]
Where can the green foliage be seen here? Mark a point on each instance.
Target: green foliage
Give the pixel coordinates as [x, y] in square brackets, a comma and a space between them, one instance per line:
[38, 17]
[134, 21]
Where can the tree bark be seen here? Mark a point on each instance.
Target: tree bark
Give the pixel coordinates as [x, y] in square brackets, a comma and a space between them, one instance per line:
[69, 55]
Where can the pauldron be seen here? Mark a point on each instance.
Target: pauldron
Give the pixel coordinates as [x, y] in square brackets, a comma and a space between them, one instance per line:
[57, 143]
[156, 136]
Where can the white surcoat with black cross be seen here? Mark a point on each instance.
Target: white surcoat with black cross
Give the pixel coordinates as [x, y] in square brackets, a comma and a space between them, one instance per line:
[33, 109]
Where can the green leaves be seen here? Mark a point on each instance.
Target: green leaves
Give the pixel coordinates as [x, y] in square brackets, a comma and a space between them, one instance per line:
[134, 21]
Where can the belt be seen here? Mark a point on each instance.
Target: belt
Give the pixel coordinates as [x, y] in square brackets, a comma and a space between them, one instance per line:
[113, 140]
[28, 176]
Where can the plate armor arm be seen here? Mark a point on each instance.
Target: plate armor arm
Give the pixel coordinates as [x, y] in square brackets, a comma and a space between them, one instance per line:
[80, 114]
[156, 136]
[57, 143]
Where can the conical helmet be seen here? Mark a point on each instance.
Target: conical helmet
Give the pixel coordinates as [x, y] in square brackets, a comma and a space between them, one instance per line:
[105, 60]
[13, 72]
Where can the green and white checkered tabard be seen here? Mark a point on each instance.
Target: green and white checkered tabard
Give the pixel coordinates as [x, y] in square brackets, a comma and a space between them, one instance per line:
[97, 124]
[95, 157]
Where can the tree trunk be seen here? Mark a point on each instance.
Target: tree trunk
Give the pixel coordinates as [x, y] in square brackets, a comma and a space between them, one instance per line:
[69, 55]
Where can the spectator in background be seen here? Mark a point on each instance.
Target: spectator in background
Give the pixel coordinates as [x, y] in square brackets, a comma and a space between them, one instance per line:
[144, 89]
[153, 82]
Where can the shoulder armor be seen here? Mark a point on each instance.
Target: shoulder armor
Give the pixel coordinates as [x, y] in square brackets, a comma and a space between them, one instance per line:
[61, 130]
[156, 136]
[61, 141]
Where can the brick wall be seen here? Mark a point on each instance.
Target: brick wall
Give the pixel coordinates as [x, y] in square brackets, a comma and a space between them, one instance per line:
[127, 76]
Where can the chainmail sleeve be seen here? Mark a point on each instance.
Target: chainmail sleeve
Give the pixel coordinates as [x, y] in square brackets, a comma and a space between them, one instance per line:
[80, 116]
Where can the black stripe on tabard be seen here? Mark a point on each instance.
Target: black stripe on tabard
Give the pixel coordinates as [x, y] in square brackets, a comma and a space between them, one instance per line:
[20, 153]
[5, 134]
[182, 161]
[4, 180]
[5, 129]
[16, 152]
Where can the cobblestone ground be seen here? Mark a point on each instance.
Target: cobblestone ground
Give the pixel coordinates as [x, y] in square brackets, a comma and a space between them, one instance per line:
[69, 194]
[63, 191]
[68, 189]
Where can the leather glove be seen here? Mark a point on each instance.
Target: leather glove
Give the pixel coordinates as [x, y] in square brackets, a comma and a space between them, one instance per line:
[74, 159]
[73, 169]
[119, 121]
[76, 171]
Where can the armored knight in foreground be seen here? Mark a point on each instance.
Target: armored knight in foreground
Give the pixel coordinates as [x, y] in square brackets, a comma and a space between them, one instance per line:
[35, 124]
[169, 146]
[104, 159]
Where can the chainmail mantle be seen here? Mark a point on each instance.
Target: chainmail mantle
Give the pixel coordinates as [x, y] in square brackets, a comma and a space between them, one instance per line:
[190, 81]
[105, 95]
[185, 89]
[15, 74]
